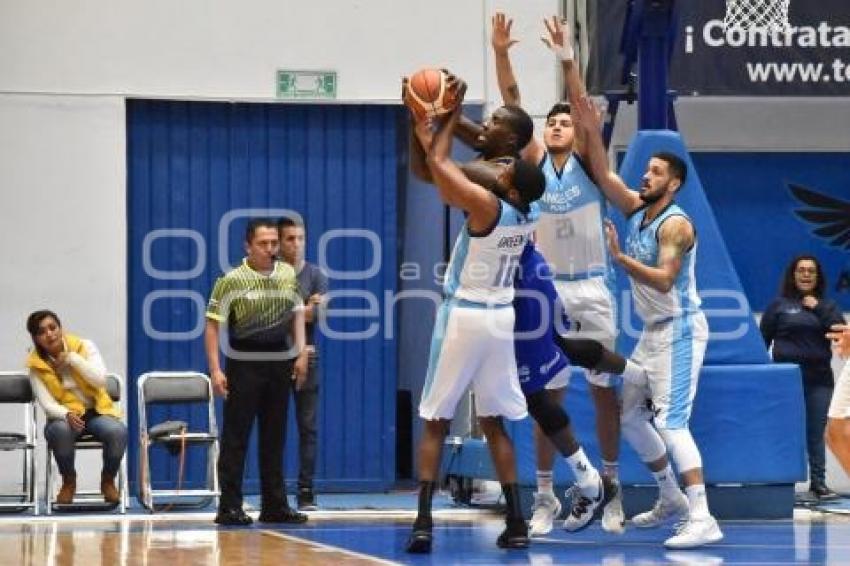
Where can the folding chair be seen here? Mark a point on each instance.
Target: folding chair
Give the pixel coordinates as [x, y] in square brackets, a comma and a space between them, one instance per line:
[172, 388]
[93, 500]
[15, 389]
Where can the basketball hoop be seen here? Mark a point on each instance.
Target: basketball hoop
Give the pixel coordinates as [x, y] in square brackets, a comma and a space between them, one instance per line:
[762, 14]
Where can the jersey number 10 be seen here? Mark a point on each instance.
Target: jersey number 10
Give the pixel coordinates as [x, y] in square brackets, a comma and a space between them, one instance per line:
[507, 268]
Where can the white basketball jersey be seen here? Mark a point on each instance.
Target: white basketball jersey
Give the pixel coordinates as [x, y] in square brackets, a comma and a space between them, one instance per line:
[481, 269]
[642, 244]
[571, 230]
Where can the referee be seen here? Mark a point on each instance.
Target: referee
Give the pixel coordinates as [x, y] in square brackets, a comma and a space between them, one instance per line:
[257, 302]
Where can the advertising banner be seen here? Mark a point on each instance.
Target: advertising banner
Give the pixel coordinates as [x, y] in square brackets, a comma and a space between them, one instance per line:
[810, 58]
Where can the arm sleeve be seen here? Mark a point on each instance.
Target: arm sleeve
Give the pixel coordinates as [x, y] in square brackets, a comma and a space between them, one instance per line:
[768, 323]
[320, 282]
[48, 403]
[90, 367]
[216, 307]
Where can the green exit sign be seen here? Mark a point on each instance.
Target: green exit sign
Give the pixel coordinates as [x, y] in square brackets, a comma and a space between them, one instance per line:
[306, 84]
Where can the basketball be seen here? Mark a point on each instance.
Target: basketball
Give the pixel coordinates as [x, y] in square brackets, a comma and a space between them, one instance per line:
[428, 93]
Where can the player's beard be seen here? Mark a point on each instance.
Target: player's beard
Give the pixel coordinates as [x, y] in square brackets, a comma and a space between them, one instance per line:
[650, 197]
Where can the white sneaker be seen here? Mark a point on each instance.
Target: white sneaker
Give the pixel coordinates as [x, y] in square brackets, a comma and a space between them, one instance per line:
[692, 558]
[584, 508]
[613, 518]
[692, 533]
[544, 511]
[664, 509]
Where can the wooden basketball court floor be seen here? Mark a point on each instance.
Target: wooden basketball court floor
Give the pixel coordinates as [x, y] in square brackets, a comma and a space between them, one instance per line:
[376, 536]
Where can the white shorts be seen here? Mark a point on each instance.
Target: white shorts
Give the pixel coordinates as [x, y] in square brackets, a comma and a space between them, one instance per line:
[472, 347]
[839, 407]
[591, 307]
[561, 380]
[671, 353]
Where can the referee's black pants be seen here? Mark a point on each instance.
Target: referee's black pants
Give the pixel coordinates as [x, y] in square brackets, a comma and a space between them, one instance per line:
[256, 389]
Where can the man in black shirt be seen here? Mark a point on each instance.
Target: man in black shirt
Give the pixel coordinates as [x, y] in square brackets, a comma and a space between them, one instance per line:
[257, 304]
[312, 285]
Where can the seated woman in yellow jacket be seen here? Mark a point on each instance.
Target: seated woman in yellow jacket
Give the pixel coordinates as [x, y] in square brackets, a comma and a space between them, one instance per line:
[69, 380]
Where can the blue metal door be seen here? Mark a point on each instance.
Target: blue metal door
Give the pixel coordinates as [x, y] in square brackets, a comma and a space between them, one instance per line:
[196, 172]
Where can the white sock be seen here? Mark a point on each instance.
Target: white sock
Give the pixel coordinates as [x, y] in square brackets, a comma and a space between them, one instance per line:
[587, 478]
[634, 373]
[544, 482]
[698, 501]
[611, 470]
[668, 486]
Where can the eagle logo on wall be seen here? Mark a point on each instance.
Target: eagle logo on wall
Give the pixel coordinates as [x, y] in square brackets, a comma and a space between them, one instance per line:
[829, 216]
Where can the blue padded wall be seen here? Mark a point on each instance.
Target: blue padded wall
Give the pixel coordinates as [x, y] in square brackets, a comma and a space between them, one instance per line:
[741, 440]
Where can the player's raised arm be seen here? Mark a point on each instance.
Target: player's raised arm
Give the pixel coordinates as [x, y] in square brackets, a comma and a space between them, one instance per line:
[422, 134]
[586, 122]
[502, 41]
[675, 238]
[559, 40]
[455, 188]
[467, 131]
[420, 137]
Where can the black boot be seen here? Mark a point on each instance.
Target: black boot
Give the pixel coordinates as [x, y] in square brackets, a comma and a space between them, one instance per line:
[419, 541]
[822, 492]
[515, 534]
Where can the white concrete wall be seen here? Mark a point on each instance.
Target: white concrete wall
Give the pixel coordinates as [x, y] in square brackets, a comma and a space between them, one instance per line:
[747, 124]
[231, 50]
[63, 234]
[63, 229]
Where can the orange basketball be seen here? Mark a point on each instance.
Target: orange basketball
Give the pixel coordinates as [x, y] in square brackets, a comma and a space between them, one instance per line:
[428, 93]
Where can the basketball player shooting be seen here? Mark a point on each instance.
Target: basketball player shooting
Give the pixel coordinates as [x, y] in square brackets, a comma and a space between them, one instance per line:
[472, 344]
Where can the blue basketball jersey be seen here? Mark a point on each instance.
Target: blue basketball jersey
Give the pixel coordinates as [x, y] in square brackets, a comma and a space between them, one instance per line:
[538, 314]
[481, 268]
[642, 244]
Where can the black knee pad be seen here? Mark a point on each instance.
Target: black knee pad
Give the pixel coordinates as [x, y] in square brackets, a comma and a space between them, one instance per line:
[551, 417]
[582, 352]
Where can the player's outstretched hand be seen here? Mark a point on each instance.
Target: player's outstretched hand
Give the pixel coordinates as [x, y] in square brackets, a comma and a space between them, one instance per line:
[613, 240]
[501, 38]
[560, 39]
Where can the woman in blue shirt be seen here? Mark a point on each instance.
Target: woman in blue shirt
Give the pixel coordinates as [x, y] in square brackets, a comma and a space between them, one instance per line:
[796, 323]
